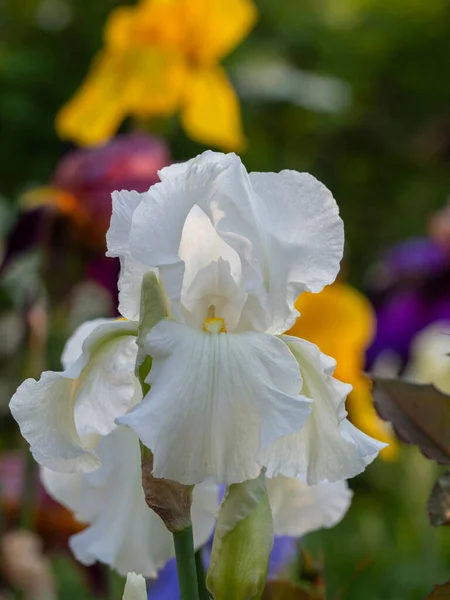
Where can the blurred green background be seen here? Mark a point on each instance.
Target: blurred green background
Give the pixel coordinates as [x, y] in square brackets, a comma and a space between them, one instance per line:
[364, 105]
[383, 148]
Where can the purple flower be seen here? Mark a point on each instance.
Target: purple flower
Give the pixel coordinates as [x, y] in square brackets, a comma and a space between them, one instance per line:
[70, 217]
[410, 290]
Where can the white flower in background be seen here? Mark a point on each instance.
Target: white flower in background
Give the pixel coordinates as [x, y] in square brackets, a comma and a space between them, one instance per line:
[96, 471]
[229, 395]
[298, 509]
[430, 357]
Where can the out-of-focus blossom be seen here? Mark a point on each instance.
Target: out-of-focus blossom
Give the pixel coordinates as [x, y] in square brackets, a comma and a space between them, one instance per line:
[160, 57]
[69, 218]
[25, 567]
[83, 180]
[340, 320]
[410, 289]
[430, 356]
[51, 520]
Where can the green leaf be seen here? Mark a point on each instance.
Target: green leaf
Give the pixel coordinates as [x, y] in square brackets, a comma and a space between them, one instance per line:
[439, 502]
[242, 543]
[440, 592]
[420, 415]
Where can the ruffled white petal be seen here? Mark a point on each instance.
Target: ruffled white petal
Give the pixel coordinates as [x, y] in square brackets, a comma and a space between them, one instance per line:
[107, 385]
[135, 588]
[218, 185]
[284, 228]
[298, 509]
[304, 238]
[83, 400]
[215, 401]
[44, 410]
[124, 533]
[328, 447]
[124, 204]
[74, 345]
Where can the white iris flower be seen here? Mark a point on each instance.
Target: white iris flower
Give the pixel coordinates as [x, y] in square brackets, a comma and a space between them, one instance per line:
[229, 393]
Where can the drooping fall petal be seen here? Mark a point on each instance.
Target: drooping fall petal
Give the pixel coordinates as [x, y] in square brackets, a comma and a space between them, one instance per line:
[340, 321]
[328, 448]
[215, 401]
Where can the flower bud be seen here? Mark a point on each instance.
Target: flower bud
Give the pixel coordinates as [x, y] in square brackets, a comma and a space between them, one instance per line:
[242, 543]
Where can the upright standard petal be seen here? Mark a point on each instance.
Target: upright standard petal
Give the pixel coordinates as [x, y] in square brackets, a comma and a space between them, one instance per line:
[328, 448]
[124, 204]
[54, 412]
[284, 246]
[298, 509]
[218, 185]
[123, 532]
[216, 400]
[304, 237]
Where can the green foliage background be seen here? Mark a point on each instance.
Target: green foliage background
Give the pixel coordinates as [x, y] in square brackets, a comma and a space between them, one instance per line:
[386, 159]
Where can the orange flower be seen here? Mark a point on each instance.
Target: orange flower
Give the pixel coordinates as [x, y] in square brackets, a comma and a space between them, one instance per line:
[341, 322]
[160, 57]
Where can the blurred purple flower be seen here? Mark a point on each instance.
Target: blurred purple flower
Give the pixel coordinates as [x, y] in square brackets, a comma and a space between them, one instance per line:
[128, 162]
[71, 216]
[410, 289]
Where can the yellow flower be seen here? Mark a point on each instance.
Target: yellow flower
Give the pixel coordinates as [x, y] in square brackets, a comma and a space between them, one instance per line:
[341, 322]
[159, 57]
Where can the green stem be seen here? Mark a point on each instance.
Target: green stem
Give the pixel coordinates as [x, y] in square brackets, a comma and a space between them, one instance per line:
[202, 591]
[187, 572]
[28, 492]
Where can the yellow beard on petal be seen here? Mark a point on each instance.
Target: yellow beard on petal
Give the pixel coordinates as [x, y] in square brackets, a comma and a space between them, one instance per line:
[214, 325]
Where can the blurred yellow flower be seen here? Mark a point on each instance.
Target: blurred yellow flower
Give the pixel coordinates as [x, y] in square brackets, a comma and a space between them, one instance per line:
[159, 57]
[341, 322]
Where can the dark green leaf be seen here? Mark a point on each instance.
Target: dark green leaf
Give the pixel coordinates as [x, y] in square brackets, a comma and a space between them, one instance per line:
[420, 415]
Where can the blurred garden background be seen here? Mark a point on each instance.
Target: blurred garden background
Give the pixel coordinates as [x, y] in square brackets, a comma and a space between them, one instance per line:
[355, 92]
